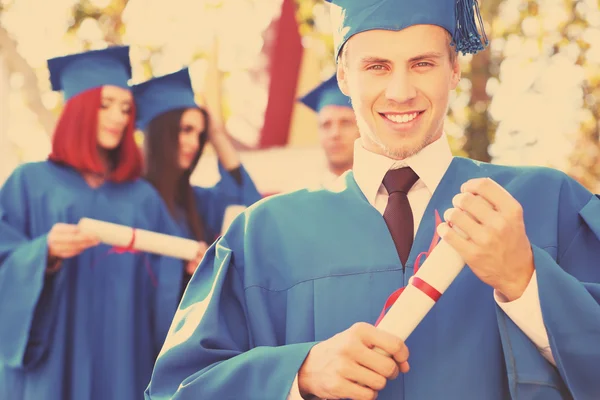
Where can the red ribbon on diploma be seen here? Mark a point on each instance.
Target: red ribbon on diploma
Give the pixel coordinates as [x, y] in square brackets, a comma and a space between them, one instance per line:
[127, 249]
[417, 282]
[425, 288]
[130, 249]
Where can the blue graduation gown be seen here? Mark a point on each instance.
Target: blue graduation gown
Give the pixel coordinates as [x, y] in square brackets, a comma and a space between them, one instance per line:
[296, 269]
[93, 329]
[212, 202]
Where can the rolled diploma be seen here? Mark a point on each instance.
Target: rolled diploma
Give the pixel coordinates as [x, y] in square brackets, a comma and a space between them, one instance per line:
[440, 268]
[148, 241]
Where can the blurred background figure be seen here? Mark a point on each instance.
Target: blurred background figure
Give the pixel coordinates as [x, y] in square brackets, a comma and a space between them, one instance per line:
[176, 130]
[337, 126]
[78, 321]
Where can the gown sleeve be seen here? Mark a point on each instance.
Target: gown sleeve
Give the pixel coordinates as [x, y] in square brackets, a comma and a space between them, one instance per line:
[209, 352]
[25, 325]
[568, 278]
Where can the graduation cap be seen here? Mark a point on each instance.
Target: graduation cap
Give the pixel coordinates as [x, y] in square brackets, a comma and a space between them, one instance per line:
[76, 73]
[350, 17]
[159, 95]
[326, 94]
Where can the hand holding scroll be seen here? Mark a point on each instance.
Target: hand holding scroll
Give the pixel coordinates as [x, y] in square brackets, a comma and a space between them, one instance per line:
[495, 245]
[66, 241]
[347, 365]
[192, 265]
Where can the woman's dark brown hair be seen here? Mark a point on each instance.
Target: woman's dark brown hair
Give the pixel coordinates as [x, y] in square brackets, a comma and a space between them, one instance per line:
[162, 169]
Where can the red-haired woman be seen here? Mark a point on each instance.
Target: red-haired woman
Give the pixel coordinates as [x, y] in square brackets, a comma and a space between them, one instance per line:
[176, 130]
[77, 321]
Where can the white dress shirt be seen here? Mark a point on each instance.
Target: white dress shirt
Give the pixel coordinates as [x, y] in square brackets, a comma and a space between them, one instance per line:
[430, 164]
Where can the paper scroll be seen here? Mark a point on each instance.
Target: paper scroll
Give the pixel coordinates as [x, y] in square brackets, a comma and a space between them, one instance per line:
[143, 240]
[432, 279]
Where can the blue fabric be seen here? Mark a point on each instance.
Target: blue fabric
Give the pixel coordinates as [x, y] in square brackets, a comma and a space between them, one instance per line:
[350, 17]
[299, 268]
[159, 95]
[212, 202]
[76, 73]
[93, 329]
[327, 93]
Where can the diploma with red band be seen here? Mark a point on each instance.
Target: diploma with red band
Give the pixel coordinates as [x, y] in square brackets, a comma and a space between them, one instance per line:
[432, 279]
[140, 240]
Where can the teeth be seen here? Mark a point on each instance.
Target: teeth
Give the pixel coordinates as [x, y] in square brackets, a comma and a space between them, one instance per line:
[404, 118]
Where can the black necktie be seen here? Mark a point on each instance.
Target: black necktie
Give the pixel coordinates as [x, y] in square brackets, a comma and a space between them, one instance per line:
[398, 214]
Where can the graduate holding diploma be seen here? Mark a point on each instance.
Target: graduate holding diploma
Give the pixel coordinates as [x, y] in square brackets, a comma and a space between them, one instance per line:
[302, 277]
[78, 321]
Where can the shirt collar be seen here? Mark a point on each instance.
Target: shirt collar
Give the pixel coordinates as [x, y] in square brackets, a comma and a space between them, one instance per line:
[430, 164]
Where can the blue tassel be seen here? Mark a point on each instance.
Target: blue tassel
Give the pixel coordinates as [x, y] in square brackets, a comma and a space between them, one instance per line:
[467, 38]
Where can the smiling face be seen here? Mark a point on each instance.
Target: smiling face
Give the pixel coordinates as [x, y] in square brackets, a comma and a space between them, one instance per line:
[113, 116]
[399, 83]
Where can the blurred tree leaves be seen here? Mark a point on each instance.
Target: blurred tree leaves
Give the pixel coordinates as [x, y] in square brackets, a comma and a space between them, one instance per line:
[108, 19]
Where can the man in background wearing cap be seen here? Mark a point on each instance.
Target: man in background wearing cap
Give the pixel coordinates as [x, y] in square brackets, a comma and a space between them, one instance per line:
[301, 277]
[337, 126]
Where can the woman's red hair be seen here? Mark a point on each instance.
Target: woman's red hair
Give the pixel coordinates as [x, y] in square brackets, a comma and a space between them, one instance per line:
[75, 140]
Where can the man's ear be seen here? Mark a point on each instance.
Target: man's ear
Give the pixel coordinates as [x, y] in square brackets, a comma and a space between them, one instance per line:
[456, 73]
[342, 77]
